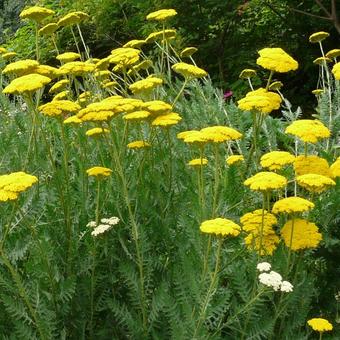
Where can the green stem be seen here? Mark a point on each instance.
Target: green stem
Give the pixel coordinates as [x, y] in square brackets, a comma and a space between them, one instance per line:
[75, 41]
[83, 42]
[36, 41]
[290, 244]
[216, 180]
[180, 92]
[269, 79]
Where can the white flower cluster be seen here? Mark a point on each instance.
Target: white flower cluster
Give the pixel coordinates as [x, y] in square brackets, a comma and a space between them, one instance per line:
[106, 224]
[273, 279]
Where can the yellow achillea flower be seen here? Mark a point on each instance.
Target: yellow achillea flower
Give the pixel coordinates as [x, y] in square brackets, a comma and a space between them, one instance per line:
[318, 36]
[320, 325]
[292, 205]
[276, 59]
[110, 84]
[198, 162]
[252, 221]
[275, 160]
[157, 107]
[193, 137]
[46, 70]
[60, 85]
[138, 144]
[275, 86]
[145, 85]
[168, 119]
[2, 50]
[96, 132]
[161, 15]
[322, 60]
[72, 120]
[26, 84]
[266, 180]
[166, 34]
[36, 13]
[269, 242]
[136, 116]
[8, 55]
[61, 95]
[308, 130]
[188, 52]
[72, 18]
[336, 71]
[219, 134]
[58, 108]
[99, 172]
[315, 183]
[20, 67]
[143, 65]
[124, 56]
[247, 73]
[220, 226]
[77, 68]
[13, 184]
[135, 43]
[260, 100]
[68, 57]
[103, 64]
[233, 159]
[335, 168]
[333, 53]
[305, 234]
[311, 164]
[102, 74]
[317, 92]
[189, 71]
[48, 29]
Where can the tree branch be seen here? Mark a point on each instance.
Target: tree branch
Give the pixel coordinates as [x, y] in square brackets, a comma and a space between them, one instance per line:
[310, 14]
[323, 8]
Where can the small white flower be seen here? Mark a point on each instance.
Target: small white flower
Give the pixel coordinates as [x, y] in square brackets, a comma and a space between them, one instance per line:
[112, 220]
[272, 279]
[100, 229]
[263, 267]
[286, 287]
[91, 224]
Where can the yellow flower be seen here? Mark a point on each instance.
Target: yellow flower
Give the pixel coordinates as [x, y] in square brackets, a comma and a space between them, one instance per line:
[145, 85]
[166, 34]
[252, 221]
[220, 226]
[198, 162]
[60, 85]
[103, 64]
[269, 243]
[317, 92]
[124, 56]
[20, 67]
[68, 57]
[318, 36]
[99, 172]
[45, 70]
[292, 205]
[2, 50]
[36, 13]
[233, 159]
[275, 160]
[276, 59]
[168, 119]
[77, 68]
[275, 86]
[265, 180]
[96, 132]
[110, 84]
[136, 116]
[311, 165]
[26, 84]
[13, 184]
[138, 144]
[247, 73]
[61, 95]
[305, 234]
[188, 52]
[161, 15]
[48, 29]
[72, 120]
[336, 71]
[308, 130]
[335, 168]
[321, 61]
[218, 134]
[333, 53]
[135, 43]
[143, 65]
[157, 107]
[320, 325]
[260, 100]
[73, 18]
[58, 108]
[8, 55]
[189, 71]
[194, 137]
[315, 183]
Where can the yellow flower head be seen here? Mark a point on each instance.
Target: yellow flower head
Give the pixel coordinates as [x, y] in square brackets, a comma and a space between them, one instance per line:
[161, 15]
[275, 160]
[317, 92]
[72, 120]
[157, 107]
[8, 55]
[95, 132]
[13, 184]
[333, 53]
[61, 95]
[260, 100]
[21, 67]
[320, 325]
[136, 116]
[68, 57]
[193, 137]
[275, 86]
[336, 71]
[196, 162]
[219, 134]
[266, 180]
[188, 52]
[72, 18]
[269, 243]
[2, 50]
[58, 108]
[311, 165]
[138, 144]
[322, 61]
[58, 86]
[247, 73]
[308, 130]
[234, 159]
[145, 85]
[292, 205]
[276, 59]
[168, 119]
[315, 183]
[252, 222]
[36, 13]
[305, 234]
[318, 36]
[110, 85]
[99, 172]
[26, 84]
[335, 168]
[189, 71]
[124, 56]
[135, 43]
[160, 35]
[77, 68]
[220, 226]
[48, 29]
[143, 65]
